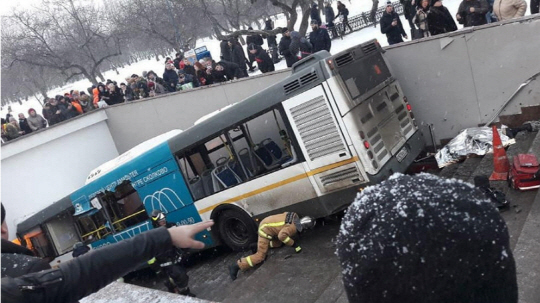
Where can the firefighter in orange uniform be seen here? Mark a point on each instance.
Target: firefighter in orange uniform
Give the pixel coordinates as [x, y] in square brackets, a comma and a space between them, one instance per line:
[273, 232]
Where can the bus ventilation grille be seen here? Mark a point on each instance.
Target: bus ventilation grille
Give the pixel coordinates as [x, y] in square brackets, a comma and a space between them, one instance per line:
[291, 86]
[317, 128]
[344, 59]
[370, 48]
[349, 174]
[298, 83]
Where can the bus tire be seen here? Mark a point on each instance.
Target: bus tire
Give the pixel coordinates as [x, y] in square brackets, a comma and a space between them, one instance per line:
[236, 229]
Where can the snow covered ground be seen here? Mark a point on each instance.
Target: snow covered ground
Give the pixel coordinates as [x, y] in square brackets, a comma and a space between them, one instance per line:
[355, 7]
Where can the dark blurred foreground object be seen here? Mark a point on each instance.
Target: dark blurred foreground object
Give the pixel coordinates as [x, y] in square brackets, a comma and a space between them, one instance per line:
[425, 239]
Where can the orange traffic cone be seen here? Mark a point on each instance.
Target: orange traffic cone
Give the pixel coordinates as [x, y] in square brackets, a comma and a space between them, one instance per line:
[501, 166]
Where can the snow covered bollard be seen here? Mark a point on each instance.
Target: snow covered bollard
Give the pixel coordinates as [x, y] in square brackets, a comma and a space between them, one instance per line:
[425, 239]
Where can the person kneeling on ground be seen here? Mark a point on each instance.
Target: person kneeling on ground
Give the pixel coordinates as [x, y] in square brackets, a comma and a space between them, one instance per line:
[273, 232]
[89, 273]
[425, 239]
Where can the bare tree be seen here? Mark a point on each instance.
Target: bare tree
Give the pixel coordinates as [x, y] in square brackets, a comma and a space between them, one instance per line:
[71, 39]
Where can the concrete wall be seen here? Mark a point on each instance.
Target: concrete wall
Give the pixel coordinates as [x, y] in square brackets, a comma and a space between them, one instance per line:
[461, 79]
[43, 167]
[135, 122]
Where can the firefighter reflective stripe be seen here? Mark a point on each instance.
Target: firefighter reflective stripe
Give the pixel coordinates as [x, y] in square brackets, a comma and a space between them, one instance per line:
[287, 240]
[248, 259]
[152, 261]
[297, 248]
[265, 235]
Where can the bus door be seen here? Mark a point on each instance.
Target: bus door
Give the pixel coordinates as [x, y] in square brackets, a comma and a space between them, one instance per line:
[329, 161]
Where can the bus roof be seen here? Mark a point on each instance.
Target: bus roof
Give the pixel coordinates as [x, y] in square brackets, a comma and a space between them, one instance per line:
[301, 80]
[131, 154]
[44, 215]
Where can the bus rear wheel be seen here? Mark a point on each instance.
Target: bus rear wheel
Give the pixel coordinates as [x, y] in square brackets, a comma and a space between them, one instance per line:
[236, 229]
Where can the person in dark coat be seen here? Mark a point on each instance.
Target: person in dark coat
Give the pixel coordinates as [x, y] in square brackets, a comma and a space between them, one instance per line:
[272, 41]
[391, 25]
[79, 277]
[177, 60]
[422, 238]
[230, 70]
[329, 15]
[315, 14]
[344, 13]
[127, 92]
[16, 259]
[264, 62]
[56, 113]
[166, 263]
[253, 39]
[472, 12]
[170, 77]
[225, 50]
[115, 95]
[319, 38]
[23, 124]
[300, 46]
[103, 93]
[440, 20]
[535, 7]
[239, 57]
[284, 47]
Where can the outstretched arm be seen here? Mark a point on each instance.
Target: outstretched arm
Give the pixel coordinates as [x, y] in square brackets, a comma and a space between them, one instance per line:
[82, 276]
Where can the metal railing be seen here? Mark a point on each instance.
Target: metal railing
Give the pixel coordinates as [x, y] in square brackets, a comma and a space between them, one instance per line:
[363, 20]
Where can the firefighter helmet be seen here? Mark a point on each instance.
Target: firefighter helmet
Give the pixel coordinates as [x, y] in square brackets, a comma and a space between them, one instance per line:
[157, 215]
[304, 223]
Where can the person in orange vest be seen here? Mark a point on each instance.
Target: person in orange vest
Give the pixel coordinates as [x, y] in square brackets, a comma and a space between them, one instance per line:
[273, 232]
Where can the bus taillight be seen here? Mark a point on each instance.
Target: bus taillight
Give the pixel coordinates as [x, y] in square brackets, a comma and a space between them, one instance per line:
[330, 63]
[409, 107]
[366, 144]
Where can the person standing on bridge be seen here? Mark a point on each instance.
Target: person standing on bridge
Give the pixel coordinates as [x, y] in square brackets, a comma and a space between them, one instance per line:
[167, 264]
[273, 232]
[391, 25]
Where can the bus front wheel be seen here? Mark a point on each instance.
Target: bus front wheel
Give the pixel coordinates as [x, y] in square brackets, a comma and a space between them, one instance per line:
[237, 229]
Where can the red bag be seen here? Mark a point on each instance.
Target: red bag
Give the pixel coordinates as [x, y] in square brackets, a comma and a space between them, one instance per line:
[525, 172]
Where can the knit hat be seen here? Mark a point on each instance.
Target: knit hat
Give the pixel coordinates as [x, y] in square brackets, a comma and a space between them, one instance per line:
[284, 30]
[252, 46]
[425, 239]
[31, 110]
[389, 3]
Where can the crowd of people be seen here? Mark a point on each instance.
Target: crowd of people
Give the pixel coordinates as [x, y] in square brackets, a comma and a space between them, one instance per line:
[426, 18]
[430, 17]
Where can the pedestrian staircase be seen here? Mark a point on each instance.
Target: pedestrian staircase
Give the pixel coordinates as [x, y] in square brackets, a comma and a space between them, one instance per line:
[523, 217]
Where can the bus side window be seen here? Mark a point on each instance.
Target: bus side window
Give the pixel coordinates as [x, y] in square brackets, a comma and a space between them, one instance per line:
[128, 207]
[263, 144]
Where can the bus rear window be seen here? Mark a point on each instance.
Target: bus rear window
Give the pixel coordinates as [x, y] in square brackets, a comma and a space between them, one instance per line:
[364, 74]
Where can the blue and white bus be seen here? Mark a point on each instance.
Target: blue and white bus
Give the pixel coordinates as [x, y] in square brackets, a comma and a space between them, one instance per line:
[307, 144]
